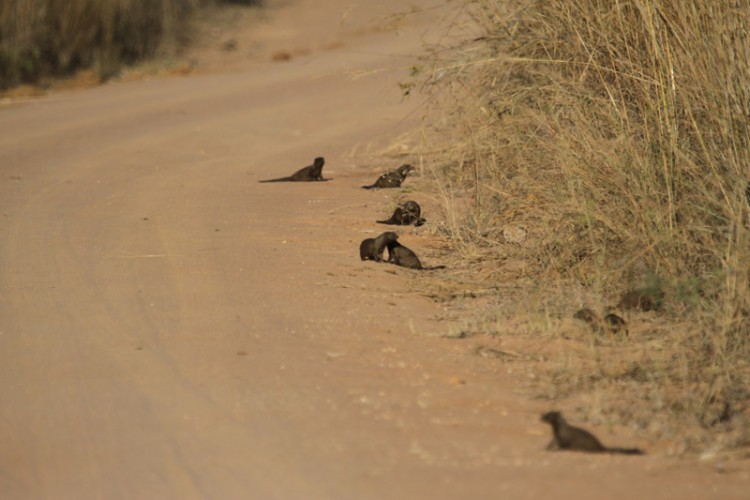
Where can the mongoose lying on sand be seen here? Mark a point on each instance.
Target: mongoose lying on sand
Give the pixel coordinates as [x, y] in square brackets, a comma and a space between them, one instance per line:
[567, 437]
[372, 248]
[392, 179]
[310, 173]
[405, 215]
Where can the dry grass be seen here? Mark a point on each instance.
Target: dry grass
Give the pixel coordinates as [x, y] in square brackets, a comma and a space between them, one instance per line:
[616, 134]
[45, 38]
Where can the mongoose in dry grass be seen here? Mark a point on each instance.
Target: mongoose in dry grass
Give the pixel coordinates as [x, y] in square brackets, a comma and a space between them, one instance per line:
[402, 256]
[405, 215]
[611, 323]
[586, 315]
[392, 179]
[373, 248]
[567, 437]
[645, 300]
[310, 173]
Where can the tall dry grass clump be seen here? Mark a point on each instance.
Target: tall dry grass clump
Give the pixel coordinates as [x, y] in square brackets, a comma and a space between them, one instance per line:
[41, 38]
[618, 134]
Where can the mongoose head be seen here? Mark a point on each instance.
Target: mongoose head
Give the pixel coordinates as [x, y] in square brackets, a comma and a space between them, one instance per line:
[389, 236]
[586, 315]
[412, 207]
[319, 161]
[552, 417]
[405, 169]
[614, 319]
[615, 323]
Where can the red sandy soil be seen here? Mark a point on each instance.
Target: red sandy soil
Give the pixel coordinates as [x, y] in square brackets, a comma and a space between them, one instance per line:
[171, 328]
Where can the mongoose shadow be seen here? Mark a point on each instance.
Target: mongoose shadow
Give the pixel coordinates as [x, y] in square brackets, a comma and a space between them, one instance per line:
[402, 256]
[392, 179]
[373, 248]
[567, 437]
[405, 215]
[310, 173]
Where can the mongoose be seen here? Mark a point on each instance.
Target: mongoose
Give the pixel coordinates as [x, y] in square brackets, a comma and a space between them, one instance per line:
[614, 324]
[310, 173]
[567, 437]
[645, 300]
[405, 215]
[611, 323]
[402, 256]
[586, 315]
[372, 248]
[392, 179]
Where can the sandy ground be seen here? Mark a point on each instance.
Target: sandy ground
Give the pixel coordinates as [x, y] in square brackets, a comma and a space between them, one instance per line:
[170, 328]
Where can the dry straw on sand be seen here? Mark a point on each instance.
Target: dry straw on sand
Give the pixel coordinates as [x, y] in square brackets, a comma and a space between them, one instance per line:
[617, 134]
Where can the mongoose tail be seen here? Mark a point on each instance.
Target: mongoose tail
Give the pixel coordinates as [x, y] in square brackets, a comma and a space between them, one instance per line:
[280, 179]
[625, 451]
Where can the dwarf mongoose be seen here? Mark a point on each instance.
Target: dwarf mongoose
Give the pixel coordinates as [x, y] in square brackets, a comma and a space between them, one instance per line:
[392, 179]
[567, 437]
[372, 248]
[310, 173]
[586, 315]
[645, 300]
[405, 215]
[611, 323]
[402, 256]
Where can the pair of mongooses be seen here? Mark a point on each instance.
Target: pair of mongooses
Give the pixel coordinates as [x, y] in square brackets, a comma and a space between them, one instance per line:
[314, 172]
[647, 299]
[310, 173]
[406, 214]
[391, 179]
[373, 248]
[610, 323]
[567, 437]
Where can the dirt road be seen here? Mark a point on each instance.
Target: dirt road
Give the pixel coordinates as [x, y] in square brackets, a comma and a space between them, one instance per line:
[170, 328]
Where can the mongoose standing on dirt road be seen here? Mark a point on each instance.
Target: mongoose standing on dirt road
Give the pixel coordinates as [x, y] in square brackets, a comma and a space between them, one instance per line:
[310, 173]
[567, 437]
[402, 256]
[392, 179]
[373, 248]
[405, 215]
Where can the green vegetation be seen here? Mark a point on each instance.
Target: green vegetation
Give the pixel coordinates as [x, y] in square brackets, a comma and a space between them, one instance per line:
[618, 134]
[42, 38]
